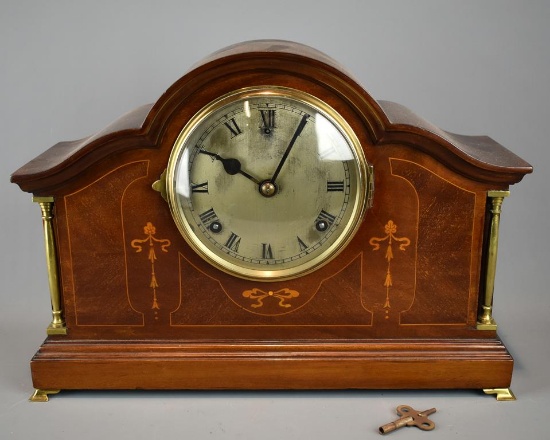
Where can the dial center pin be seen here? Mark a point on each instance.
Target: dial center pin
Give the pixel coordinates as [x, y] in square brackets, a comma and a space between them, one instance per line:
[268, 188]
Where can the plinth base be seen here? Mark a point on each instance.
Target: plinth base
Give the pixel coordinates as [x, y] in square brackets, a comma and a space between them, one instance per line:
[378, 364]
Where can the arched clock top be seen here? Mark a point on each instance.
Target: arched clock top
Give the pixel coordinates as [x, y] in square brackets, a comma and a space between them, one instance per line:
[271, 62]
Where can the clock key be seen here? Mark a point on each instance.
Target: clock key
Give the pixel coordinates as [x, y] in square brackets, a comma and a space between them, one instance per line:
[410, 417]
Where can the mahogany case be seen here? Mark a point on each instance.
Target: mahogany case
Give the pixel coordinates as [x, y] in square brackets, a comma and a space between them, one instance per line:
[400, 307]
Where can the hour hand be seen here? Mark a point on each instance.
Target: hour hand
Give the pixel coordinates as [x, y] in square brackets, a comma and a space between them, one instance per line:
[230, 165]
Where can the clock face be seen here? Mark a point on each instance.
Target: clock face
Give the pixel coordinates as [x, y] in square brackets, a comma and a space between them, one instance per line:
[267, 183]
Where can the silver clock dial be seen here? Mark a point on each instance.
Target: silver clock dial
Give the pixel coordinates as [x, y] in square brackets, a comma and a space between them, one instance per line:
[267, 183]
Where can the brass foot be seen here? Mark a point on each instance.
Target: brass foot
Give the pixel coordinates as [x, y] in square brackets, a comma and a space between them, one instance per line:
[41, 395]
[502, 394]
[51, 330]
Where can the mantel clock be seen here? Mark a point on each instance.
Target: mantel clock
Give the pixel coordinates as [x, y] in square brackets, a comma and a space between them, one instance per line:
[267, 224]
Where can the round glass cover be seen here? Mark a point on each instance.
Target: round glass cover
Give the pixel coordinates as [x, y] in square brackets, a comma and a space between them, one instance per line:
[267, 183]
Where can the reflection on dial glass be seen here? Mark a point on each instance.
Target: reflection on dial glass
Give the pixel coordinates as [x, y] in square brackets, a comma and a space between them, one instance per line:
[182, 182]
[331, 144]
[267, 183]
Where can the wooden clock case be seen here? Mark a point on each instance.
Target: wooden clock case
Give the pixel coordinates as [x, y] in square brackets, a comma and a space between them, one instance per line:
[407, 304]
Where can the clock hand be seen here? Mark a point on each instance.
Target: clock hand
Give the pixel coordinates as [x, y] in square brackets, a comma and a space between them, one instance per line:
[230, 165]
[290, 145]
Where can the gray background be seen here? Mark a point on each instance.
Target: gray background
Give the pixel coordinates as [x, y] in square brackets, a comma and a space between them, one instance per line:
[68, 68]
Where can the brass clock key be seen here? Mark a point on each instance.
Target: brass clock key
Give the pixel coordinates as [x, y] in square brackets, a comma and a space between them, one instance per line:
[410, 417]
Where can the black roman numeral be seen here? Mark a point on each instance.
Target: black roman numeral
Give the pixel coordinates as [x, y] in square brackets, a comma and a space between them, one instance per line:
[233, 242]
[268, 120]
[267, 253]
[233, 127]
[337, 186]
[208, 216]
[302, 245]
[199, 187]
[325, 216]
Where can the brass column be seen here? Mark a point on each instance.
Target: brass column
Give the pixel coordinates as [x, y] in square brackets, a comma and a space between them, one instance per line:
[57, 326]
[485, 319]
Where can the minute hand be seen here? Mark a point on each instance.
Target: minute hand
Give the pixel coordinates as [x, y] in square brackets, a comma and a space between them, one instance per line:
[290, 145]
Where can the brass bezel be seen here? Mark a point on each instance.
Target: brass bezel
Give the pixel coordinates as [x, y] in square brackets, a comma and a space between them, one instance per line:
[363, 198]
